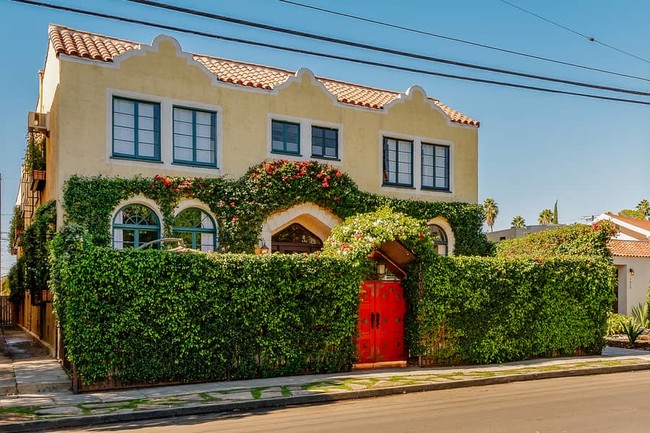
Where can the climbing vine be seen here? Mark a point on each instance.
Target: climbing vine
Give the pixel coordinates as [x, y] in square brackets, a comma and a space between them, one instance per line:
[241, 206]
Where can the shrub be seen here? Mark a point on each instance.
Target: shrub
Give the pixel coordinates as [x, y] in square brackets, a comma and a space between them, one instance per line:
[157, 316]
[615, 323]
[640, 315]
[574, 240]
[632, 330]
[486, 310]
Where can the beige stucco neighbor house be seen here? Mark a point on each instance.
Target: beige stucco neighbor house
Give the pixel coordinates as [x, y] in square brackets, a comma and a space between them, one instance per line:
[119, 108]
[630, 249]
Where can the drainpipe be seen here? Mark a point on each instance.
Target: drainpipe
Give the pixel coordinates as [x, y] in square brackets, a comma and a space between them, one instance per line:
[41, 74]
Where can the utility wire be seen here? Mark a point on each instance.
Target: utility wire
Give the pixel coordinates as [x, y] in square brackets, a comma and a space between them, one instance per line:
[589, 38]
[375, 48]
[462, 41]
[325, 55]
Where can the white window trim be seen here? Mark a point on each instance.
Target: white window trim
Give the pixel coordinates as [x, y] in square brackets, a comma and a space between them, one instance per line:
[416, 189]
[305, 138]
[141, 200]
[166, 132]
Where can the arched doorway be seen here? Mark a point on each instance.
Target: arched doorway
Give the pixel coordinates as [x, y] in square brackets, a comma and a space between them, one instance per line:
[295, 239]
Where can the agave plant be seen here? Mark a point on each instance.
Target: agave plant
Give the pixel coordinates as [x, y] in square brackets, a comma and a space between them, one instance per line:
[641, 316]
[632, 329]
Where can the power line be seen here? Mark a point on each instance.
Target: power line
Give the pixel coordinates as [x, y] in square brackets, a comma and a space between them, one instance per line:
[376, 48]
[462, 41]
[589, 38]
[325, 55]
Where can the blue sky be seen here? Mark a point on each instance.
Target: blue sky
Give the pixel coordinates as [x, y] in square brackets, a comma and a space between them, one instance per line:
[590, 155]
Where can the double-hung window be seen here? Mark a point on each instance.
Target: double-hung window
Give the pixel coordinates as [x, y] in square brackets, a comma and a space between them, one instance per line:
[285, 137]
[136, 129]
[324, 142]
[398, 162]
[435, 167]
[195, 137]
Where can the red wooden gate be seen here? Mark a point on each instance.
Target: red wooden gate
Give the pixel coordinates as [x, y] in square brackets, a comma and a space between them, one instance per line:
[381, 322]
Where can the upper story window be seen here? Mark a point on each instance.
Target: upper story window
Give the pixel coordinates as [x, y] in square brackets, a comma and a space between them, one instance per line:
[134, 225]
[324, 142]
[136, 129]
[285, 137]
[195, 137]
[197, 229]
[435, 166]
[398, 162]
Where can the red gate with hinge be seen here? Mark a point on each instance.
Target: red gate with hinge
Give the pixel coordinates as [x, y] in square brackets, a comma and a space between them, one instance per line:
[381, 322]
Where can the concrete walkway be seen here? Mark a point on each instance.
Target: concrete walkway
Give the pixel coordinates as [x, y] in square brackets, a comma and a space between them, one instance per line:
[25, 366]
[46, 407]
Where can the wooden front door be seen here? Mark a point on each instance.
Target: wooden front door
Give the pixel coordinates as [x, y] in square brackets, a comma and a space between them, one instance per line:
[381, 322]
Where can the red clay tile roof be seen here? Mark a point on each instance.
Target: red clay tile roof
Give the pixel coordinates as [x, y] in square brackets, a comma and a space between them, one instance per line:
[103, 48]
[642, 224]
[629, 248]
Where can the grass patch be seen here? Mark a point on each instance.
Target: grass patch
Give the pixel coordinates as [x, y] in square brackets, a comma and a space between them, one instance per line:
[26, 410]
[207, 397]
[285, 391]
[257, 393]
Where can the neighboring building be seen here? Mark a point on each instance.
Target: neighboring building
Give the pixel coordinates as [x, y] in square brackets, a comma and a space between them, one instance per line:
[630, 249]
[118, 108]
[502, 235]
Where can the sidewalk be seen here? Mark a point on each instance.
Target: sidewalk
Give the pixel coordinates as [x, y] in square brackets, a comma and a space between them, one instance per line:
[59, 409]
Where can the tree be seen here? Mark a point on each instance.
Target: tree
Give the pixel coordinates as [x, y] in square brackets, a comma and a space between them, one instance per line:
[644, 208]
[546, 217]
[490, 211]
[555, 213]
[632, 213]
[518, 222]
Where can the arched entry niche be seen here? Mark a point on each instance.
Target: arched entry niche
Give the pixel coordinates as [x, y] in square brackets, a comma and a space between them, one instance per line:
[443, 236]
[306, 219]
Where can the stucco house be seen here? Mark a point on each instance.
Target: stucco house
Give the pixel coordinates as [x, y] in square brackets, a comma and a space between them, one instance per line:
[630, 249]
[118, 108]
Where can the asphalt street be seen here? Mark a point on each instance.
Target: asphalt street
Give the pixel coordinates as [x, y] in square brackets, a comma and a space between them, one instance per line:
[605, 403]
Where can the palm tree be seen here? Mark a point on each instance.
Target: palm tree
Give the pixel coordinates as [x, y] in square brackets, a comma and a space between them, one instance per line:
[546, 217]
[644, 208]
[518, 222]
[490, 211]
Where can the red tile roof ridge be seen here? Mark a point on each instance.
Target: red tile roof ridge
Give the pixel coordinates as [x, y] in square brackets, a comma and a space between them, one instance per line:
[106, 48]
[241, 62]
[53, 26]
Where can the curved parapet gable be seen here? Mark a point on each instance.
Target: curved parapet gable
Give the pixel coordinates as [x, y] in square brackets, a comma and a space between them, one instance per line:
[417, 95]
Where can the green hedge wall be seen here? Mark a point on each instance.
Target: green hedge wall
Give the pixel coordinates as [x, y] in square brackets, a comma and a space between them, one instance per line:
[157, 316]
[486, 310]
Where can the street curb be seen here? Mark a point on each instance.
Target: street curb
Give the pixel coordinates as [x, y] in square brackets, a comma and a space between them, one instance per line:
[211, 408]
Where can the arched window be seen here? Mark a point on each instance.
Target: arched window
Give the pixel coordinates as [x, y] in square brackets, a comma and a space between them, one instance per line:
[295, 239]
[197, 229]
[134, 225]
[439, 239]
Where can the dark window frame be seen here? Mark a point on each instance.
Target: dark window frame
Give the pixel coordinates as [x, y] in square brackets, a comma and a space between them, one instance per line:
[385, 161]
[156, 131]
[324, 145]
[284, 150]
[135, 228]
[213, 133]
[447, 167]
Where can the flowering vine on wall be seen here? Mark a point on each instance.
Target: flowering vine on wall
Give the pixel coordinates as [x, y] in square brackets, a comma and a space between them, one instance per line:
[240, 206]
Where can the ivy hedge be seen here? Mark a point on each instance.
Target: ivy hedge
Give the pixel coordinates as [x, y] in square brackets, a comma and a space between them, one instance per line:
[158, 316]
[573, 240]
[487, 310]
[241, 206]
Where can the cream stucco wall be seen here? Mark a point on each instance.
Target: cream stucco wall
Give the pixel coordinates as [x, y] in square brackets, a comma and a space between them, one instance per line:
[81, 128]
[632, 289]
